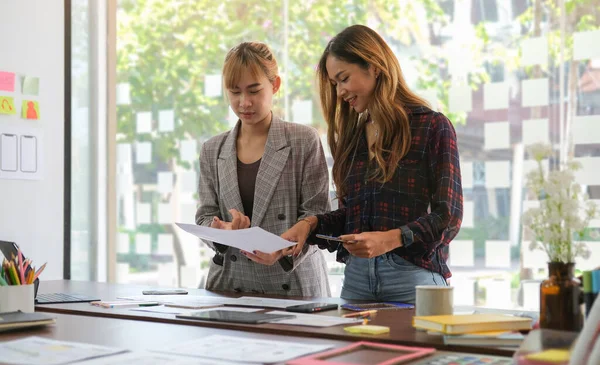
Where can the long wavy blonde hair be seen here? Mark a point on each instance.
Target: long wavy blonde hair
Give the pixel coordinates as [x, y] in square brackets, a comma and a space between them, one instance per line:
[362, 46]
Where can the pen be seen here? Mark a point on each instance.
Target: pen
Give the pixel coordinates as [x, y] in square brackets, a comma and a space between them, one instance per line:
[360, 314]
[133, 305]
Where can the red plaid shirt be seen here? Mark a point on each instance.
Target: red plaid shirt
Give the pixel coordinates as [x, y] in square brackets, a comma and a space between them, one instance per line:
[423, 199]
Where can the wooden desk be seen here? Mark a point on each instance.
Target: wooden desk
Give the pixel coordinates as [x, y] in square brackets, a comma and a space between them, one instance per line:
[399, 321]
[136, 335]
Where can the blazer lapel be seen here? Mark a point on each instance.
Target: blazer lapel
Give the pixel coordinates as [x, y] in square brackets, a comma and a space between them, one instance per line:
[273, 161]
[227, 174]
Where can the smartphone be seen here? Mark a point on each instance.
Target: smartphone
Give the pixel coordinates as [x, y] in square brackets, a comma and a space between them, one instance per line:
[329, 238]
[311, 307]
[165, 292]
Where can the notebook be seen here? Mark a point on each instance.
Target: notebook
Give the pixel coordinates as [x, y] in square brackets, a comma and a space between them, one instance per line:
[493, 339]
[17, 320]
[458, 324]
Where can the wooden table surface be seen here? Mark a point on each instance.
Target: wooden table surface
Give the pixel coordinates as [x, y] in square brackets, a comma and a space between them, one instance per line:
[399, 321]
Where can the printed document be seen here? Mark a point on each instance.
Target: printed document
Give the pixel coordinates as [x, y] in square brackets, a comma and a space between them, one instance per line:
[232, 348]
[42, 351]
[249, 239]
[155, 358]
[315, 320]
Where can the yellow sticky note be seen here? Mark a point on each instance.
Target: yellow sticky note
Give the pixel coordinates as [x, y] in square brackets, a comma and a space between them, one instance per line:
[7, 105]
[552, 356]
[368, 328]
[30, 110]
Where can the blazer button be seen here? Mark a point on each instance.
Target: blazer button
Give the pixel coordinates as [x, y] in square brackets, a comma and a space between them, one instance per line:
[233, 258]
[281, 216]
[285, 287]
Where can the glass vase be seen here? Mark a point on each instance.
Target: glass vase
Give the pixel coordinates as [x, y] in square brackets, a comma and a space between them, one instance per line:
[560, 306]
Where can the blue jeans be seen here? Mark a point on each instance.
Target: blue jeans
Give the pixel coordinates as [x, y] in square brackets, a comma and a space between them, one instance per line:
[385, 278]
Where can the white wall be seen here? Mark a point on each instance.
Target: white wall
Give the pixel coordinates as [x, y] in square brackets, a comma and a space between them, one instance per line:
[31, 211]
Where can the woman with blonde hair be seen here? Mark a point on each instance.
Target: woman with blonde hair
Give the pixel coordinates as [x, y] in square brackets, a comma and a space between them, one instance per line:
[263, 173]
[396, 172]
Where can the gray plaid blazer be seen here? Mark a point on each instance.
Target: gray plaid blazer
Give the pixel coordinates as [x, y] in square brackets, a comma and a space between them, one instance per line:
[292, 183]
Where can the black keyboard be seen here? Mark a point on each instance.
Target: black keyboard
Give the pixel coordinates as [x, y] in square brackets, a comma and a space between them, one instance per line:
[55, 298]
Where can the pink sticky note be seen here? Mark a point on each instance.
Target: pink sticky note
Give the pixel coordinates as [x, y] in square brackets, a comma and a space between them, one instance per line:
[7, 81]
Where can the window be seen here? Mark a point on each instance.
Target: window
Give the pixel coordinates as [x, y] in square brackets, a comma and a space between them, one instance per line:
[170, 100]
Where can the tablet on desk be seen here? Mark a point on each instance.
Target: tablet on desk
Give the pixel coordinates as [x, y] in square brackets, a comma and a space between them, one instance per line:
[235, 317]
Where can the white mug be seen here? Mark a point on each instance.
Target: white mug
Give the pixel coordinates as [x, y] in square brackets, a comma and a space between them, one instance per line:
[433, 300]
[17, 298]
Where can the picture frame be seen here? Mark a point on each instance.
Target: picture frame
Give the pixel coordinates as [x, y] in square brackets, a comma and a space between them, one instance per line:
[383, 354]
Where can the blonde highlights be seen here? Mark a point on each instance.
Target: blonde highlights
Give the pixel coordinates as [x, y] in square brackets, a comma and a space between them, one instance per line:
[362, 46]
[255, 57]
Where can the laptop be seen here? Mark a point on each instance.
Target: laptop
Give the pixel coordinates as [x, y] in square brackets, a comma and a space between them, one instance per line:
[10, 249]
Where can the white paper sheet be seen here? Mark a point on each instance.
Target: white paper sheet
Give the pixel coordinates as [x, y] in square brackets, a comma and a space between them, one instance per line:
[199, 300]
[189, 182]
[495, 96]
[251, 350]
[160, 309]
[165, 182]
[123, 242]
[143, 122]
[535, 130]
[588, 174]
[497, 254]
[315, 320]
[302, 111]
[143, 213]
[155, 358]
[37, 350]
[460, 98]
[123, 94]
[166, 121]
[461, 253]
[534, 51]
[212, 85]
[466, 174]
[468, 220]
[534, 92]
[585, 45]
[497, 174]
[586, 129]
[250, 239]
[165, 213]
[143, 152]
[143, 243]
[536, 259]
[269, 302]
[496, 135]
[165, 244]
[187, 150]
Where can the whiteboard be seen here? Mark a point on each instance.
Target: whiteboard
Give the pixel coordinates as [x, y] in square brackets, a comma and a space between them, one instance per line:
[32, 211]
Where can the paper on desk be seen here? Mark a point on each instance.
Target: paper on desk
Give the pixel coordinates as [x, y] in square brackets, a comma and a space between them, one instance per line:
[315, 320]
[159, 309]
[155, 358]
[37, 350]
[250, 239]
[198, 301]
[269, 302]
[251, 350]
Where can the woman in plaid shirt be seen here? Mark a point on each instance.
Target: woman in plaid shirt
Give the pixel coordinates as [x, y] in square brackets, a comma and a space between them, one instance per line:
[396, 172]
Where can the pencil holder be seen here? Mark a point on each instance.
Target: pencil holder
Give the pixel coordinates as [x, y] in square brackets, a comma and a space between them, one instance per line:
[17, 297]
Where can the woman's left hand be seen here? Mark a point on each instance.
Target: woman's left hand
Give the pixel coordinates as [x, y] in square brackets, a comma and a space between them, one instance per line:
[372, 244]
[267, 258]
